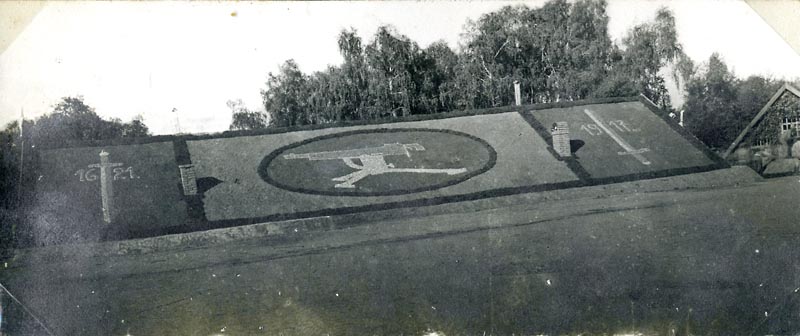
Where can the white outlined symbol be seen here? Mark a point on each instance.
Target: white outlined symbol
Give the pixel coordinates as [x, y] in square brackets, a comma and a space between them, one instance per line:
[372, 162]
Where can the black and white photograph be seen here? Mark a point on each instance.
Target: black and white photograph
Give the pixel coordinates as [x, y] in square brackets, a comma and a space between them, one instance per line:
[420, 168]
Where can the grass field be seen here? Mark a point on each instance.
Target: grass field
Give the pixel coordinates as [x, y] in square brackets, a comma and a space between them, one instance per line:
[249, 179]
[146, 192]
[448, 158]
[659, 147]
[522, 160]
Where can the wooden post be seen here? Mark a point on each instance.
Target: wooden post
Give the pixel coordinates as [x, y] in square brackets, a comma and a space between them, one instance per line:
[517, 94]
[177, 121]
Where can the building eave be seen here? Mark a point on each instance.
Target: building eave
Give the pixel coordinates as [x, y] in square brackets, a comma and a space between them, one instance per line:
[759, 116]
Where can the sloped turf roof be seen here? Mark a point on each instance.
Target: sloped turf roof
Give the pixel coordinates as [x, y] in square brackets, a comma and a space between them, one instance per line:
[257, 176]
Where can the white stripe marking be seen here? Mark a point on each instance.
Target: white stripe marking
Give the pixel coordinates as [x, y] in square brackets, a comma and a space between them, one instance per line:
[629, 150]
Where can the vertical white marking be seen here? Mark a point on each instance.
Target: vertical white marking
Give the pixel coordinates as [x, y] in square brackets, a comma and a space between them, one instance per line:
[619, 140]
[106, 186]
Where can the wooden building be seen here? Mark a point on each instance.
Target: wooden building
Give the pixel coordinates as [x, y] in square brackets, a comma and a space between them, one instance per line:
[770, 144]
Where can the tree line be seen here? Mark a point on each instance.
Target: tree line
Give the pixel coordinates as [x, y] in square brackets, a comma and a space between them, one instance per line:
[559, 52]
[719, 105]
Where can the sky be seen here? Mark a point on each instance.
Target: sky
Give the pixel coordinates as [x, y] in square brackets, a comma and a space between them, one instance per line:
[150, 58]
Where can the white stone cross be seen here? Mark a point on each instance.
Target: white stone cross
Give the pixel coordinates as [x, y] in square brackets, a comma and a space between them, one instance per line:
[106, 185]
[629, 150]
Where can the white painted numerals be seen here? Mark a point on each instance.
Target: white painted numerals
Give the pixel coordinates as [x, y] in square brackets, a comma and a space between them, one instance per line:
[124, 173]
[87, 174]
[92, 174]
[620, 125]
[592, 129]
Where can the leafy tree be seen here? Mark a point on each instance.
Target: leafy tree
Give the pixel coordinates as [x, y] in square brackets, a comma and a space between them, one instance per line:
[560, 51]
[587, 50]
[438, 86]
[751, 95]
[329, 95]
[647, 49]
[10, 145]
[711, 104]
[9, 183]
[73, 119]
[244, 118]
[491, 58]
[391, 59]
[719, 106]
[285, 98]
[347, 87]
[135, 128]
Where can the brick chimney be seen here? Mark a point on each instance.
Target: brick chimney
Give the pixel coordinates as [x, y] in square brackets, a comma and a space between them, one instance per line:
[560, 134]
[188, 179]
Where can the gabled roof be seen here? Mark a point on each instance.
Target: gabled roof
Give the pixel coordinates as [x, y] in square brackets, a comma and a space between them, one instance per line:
[760, 115]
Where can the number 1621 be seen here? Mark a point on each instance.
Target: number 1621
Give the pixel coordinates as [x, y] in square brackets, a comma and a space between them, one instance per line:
[91, 174]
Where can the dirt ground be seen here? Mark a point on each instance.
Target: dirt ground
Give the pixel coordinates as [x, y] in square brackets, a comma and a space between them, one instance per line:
[677, 256]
